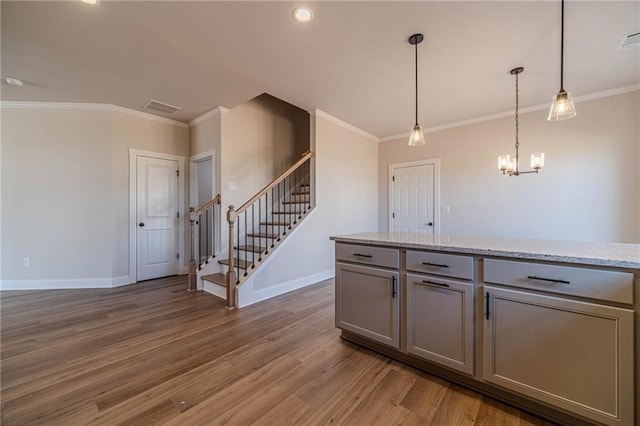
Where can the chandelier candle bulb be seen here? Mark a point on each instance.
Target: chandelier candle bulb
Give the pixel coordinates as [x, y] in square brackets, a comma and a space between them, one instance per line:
[503, 162]
[537, 160]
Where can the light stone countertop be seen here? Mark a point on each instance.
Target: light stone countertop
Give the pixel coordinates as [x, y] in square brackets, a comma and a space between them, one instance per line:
[585, 253]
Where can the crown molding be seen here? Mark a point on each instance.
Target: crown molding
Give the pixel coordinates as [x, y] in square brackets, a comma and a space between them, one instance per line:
[335, 120]
[91, 107]
[583, 98]
[219, 110]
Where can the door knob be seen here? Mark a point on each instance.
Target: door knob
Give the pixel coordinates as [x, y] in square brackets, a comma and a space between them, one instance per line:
[141, 224]
[430, 224]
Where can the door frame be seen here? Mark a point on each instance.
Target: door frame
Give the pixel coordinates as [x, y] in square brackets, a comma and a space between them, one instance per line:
[133, 201]
[193, 187]
[436, 189]
[193, 176]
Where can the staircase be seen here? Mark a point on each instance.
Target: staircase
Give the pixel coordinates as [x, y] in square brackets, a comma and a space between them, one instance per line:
[255, 230]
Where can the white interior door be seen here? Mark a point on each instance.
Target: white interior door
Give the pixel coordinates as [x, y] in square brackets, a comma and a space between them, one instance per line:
[157, 217]
[413, 198]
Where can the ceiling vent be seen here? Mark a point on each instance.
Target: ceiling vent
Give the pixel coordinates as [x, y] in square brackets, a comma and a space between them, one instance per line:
[630, 40]
[161, 107]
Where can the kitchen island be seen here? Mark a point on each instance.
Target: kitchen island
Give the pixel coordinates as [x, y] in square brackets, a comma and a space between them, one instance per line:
[549, 326]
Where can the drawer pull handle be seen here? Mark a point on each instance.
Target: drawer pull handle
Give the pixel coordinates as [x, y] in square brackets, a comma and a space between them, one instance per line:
[439, 265]
[435, 283]
[393, 287]
[362, 255]
[551, 280]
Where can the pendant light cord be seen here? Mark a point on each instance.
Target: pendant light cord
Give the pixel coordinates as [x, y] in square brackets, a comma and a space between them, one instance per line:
[517, 122]
[562, 48]
[416, 45]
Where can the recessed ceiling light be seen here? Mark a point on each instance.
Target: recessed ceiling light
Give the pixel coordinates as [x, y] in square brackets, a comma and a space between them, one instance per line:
[13, 82]
[91, 1]
[302, 14]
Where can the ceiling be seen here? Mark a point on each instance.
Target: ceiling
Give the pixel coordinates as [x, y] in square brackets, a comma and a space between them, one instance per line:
[352, 60]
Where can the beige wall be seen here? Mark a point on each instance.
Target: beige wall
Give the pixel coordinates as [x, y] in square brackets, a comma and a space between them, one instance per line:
[207, 136]
[588, 190]
[260, 139]
[65, 190]
[56, 194]
[142, 134]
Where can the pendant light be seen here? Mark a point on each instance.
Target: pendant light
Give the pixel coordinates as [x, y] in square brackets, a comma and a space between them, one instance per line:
[416, 137]
[509, 165]
[562, 107]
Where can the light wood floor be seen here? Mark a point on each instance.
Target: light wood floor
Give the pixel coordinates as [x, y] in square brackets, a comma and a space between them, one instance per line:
[153, 353]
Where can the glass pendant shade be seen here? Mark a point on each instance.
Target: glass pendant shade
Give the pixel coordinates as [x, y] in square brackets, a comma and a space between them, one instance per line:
[503, 162]
[537, 160]
[562, 107]
[416, 138]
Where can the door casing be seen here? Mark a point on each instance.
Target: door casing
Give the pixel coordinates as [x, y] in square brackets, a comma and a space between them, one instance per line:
[436, 190]
[133, 192]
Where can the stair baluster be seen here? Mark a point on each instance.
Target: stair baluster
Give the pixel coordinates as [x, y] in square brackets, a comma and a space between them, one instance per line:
[281, 210]
[199, 254]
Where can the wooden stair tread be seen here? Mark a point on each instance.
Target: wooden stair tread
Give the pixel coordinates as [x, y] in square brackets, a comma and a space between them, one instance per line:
[251, 248]
[220, 279]
[300, 193]
[291, 212]
[263, 235]
[281, 223]
[243, 264]
[295, 202]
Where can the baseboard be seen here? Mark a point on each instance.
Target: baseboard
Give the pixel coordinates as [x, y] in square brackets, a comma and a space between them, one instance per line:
[59, 284]
[121, 280]
[286, 287]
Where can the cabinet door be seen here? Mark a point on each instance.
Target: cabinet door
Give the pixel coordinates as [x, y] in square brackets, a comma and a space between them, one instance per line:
[574, 355]
[440, 321]
[367, 302]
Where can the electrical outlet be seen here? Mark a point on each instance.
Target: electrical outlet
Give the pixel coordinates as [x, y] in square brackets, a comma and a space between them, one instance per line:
[26, 262]
[445, 209]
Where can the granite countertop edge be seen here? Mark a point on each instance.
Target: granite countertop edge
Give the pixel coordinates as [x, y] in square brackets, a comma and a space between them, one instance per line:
[510, 253]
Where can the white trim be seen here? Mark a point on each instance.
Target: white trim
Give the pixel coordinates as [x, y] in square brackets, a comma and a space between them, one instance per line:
[72, 283]
[295, 284]
[335, 120]
[219, 110]
[247, 296]
[193, 178]
[193, 184]
[122, 280]
[436, 188]
[92, 107]
[583, 98]
[213, 288]
[184, 212]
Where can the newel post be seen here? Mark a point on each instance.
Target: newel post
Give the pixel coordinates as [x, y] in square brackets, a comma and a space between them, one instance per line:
[192, 261]
[231, 275]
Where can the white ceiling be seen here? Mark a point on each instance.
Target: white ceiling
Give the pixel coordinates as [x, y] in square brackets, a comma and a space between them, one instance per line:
[352, 60]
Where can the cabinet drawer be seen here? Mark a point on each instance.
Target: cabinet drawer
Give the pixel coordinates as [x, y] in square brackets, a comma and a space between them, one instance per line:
[612, 286]
[449, 265]
[378, 256]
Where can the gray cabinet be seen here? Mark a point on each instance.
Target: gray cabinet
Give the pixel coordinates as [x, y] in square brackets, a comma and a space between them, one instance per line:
[440, 321]
[367, 302]
[574, 355]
